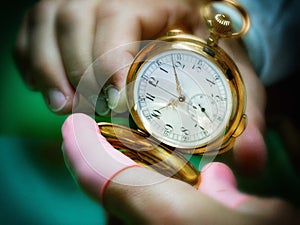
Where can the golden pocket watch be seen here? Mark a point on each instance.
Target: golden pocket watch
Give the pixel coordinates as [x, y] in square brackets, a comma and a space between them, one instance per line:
[186, 96]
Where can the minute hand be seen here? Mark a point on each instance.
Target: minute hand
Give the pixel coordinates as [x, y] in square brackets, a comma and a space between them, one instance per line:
[178, 87]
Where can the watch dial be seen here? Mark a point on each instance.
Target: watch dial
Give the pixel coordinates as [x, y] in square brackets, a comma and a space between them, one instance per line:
[182, 98]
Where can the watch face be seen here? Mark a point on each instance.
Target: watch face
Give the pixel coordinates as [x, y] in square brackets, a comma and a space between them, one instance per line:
[182, 98]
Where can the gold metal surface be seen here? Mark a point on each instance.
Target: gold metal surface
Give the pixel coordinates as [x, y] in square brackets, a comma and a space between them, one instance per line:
[209, 17]
[225, 140]
[145, 151]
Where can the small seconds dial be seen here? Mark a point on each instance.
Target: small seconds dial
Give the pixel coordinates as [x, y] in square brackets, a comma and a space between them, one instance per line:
[182, 98]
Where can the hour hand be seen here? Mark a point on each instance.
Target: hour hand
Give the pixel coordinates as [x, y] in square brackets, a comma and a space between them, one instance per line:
[173, 103]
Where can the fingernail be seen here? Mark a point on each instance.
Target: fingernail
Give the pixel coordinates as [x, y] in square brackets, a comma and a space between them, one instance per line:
[100, 104]
[113, 96]
[56, 100]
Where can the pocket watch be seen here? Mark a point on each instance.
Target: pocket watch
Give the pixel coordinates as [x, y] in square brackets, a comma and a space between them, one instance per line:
[185, 93]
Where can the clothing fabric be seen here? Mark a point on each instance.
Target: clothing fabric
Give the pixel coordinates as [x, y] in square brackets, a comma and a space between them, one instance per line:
[273, 41]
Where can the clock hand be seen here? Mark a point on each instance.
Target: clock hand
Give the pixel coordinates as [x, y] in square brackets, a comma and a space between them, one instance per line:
[165, 90]
[156, 113]
[178, 87]
[203, 110]
[173, 102]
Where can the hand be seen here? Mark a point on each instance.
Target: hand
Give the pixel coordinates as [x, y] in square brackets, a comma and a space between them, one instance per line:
[62, 44]
[80, 45]
[140, 196]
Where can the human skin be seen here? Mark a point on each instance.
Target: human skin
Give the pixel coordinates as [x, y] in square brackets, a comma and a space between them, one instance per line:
[60, 39]
[137, 195]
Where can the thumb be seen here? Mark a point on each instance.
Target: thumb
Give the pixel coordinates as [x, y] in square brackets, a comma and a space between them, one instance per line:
[91, 159]
[218, 182]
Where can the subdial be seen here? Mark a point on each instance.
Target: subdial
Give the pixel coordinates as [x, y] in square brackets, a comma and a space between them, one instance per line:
[203, 110]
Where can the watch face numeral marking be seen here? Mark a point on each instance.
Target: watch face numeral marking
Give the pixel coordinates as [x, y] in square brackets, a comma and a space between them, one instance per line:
[178, 61]
[152, 80]
[179, 64]
[218, 98]
[198, 66]
[164, 70]
[150, 96]
[145, 77]
[147, 115]
[214, 80]
[185, 138]
[211, 83]
[178, 58]
[142, 99]
[185, 112]
[216, 77]
[159, 62]
[168, 129]
[204, 132]
[185, 131]
[156, 113]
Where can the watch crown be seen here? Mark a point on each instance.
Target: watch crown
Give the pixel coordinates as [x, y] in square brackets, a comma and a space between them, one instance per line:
[221, 25]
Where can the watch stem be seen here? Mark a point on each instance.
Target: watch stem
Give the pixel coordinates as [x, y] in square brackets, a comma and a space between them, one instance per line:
[221, 27]
[174, 32]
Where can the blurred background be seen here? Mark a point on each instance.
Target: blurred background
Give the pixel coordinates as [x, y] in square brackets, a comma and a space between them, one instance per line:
[35, 186]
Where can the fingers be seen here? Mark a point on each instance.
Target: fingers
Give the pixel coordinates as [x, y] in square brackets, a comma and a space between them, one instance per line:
[250, 149]
[250, 152]
[133, 192]
[218, 182]
[20, 53]
[150, 198]
[90, 157]
[271, 211]
[39, 57]
[115, 48]
[60, 44]
[140, 196]
[75, 29]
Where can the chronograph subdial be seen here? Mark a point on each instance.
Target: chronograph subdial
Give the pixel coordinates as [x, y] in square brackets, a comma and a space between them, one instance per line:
[203, 110]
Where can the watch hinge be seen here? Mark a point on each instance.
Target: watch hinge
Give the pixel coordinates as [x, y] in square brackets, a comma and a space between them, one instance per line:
[209, 51]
